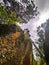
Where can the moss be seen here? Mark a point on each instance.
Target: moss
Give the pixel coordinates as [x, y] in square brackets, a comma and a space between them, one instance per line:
[14, 48]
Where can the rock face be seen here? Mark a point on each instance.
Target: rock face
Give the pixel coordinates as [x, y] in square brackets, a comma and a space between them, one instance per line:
[15, 48]
[46, 44]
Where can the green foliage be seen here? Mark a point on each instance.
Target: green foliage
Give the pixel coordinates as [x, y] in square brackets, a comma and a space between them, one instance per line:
[7, 18]
[40, 41]
[30, 9]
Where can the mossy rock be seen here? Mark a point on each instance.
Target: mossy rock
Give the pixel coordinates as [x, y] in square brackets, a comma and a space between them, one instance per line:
[14, 48]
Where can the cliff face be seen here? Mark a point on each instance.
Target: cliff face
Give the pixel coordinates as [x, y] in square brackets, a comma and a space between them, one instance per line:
[46, 43]
[15, 48]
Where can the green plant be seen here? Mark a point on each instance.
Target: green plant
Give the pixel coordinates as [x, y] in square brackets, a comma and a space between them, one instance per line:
[7, 18]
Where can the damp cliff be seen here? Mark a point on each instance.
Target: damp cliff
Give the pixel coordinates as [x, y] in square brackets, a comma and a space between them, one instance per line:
[15, 47]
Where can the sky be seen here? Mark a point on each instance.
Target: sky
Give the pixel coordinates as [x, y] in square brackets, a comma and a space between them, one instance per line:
[43, 8]
[42, 4]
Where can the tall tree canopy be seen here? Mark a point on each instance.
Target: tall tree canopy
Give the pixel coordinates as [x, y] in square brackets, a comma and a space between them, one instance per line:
[12, 11]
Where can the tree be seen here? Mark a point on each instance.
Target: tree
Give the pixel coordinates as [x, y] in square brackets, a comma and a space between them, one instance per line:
[41, 34]
[13, 10]
[44, 40]
[14, 44]
[7, 17]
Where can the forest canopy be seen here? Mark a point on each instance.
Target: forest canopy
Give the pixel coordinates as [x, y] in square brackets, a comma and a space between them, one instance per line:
[12, 11]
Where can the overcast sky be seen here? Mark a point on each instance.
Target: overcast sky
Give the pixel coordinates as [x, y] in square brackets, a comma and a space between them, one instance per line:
[43, 7]
[42, 4]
